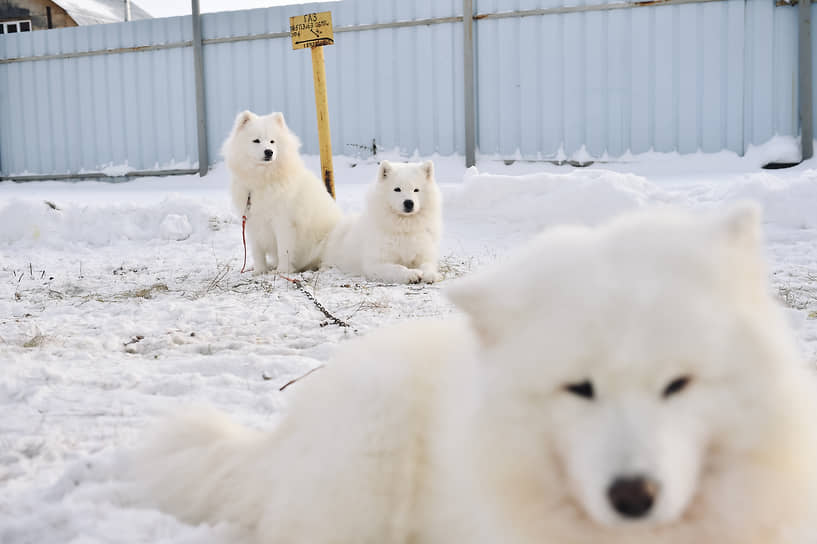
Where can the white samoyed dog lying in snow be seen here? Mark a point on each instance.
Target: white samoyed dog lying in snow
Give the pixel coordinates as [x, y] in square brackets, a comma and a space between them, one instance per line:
[289, 212]
[633, 383]
[396, 239]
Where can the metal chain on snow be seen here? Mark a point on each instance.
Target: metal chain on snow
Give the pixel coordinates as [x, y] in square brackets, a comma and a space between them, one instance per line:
[300, 285]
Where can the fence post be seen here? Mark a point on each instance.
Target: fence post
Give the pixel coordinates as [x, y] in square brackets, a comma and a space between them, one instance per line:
[201, 115]
[806, 136]
[468, 87]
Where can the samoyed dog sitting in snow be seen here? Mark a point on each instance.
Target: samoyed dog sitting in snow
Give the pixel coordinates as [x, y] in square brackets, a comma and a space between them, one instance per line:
[633, 383]
[396, 238]
[289, 212]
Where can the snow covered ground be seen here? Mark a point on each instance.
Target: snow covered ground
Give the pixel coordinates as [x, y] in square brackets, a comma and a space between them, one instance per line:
[121, 301]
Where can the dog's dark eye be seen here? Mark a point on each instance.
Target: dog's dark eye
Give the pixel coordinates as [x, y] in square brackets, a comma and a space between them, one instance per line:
[581, 389]
[416, 190]
[256, 141]
[676, 386]
[397, 189]
[272, 141]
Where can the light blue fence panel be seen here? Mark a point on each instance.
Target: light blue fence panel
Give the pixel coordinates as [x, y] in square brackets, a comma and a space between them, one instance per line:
[398, 87]
[771, 72]
[690, 77]
[784, 72]
[86, 113]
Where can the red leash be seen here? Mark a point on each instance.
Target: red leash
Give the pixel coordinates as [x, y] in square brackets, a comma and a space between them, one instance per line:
[243, 228]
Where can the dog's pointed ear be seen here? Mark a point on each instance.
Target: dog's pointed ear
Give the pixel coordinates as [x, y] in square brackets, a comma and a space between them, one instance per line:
[486, 307]
[242, 119]
[278, 117]
[385, 170]
[428, 170]
[741, 227]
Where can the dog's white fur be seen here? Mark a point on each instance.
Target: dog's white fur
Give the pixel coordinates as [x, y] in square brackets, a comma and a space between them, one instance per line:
[387, 242]
[466, 430]
[291, 214]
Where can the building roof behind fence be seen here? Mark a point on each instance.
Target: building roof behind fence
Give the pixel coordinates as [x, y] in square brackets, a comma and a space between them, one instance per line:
[94, 12]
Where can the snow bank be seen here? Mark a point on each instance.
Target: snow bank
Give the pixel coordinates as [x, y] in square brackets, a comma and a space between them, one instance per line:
[789, 202]
[33, 222]
[538, 200]
[592, 196]
[188, 208]
[776, 149]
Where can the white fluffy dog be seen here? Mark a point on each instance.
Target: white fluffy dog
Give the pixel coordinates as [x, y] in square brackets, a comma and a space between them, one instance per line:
[397, 237]
[289, 212]
[634, 383]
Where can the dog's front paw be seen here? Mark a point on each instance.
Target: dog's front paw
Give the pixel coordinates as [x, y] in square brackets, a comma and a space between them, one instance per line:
[431, 276]
[259, 270]
[413, 275]
[430, 273]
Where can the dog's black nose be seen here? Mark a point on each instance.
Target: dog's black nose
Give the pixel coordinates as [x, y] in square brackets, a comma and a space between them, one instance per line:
[268, 153]
[632, 497]
[408, 205]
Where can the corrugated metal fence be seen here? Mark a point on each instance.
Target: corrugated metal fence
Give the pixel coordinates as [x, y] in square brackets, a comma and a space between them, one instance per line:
[552, 77]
